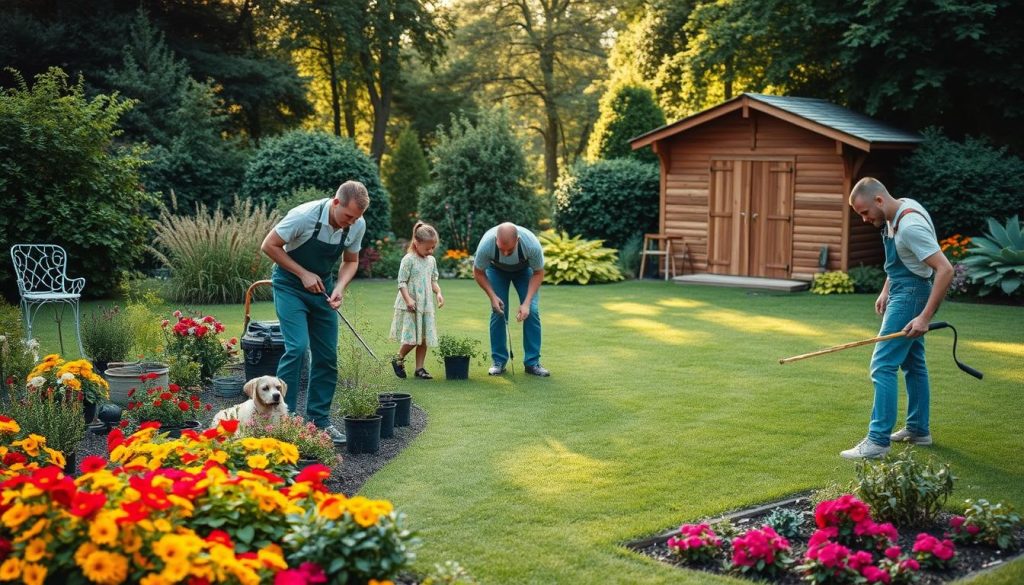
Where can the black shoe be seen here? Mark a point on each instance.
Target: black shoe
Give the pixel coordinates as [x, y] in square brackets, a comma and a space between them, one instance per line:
[399, 365]
[423, 374]
[538, 370]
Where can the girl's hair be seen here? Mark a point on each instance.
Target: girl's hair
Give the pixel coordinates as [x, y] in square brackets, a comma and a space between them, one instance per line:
[422, 232]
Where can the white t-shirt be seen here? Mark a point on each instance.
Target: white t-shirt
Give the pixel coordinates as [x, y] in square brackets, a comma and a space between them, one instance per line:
[297, 227]
[915, 238]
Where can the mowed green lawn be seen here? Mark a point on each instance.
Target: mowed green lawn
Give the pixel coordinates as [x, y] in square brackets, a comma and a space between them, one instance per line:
[667, 404]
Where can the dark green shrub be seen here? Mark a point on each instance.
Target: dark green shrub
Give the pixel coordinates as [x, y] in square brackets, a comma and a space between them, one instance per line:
[867, 279]
[479, 180]
[298, 197]
[996, 261]
[903, 490]
[962, 183]
[626, 112]
[577, 261]
[610, 200]
[16, 359]
[64, 181]
[298, 159]
[405, 172]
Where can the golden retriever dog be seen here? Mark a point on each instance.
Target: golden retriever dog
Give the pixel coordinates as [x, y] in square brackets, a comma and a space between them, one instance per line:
[266, 398]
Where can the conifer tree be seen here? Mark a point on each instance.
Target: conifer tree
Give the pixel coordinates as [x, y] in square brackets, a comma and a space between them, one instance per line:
[404, 172]
[626, 111]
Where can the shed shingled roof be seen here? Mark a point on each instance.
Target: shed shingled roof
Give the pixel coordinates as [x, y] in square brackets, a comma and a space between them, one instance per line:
[815, 114]
[838, 118]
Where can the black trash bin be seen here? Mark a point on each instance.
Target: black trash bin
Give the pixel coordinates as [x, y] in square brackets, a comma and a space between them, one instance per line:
[263, 346]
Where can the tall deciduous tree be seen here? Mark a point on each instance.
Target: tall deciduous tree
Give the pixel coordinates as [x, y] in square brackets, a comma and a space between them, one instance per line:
[542, 55]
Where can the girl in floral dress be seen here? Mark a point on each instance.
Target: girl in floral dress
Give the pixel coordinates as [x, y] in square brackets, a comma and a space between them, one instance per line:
[413, 324]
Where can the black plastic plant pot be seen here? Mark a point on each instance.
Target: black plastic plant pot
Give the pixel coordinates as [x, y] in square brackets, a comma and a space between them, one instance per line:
[403, 405]
[362, 435]
[387, 421]
[456, 367]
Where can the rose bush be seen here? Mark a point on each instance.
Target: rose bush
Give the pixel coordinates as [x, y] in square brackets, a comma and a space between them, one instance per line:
[194, 338]
[171, 406]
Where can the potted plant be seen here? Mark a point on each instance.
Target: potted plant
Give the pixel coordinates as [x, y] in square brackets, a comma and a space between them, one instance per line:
[53, 414]
[314, 444]
[106, 337]
[455, 352]
[358, 403]
[194, 339]
[174, 408]
[74, 380]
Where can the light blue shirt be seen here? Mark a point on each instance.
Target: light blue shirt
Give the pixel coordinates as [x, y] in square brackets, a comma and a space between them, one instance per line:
[915, 238]
[297, 227]
[489, 243]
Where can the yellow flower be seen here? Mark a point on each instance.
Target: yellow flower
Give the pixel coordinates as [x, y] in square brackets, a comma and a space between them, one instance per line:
[175, 571]
[173, 548]
[103, 529]
[376, 582]
[83, 552]
[272, 558]
[252, 444]
[289, 452]
[219, 456]
[10, 426]
[154, 579]
[33, 574]
[257, 461]
[30, 444]
[332, 508]
[365, 517]
[14, 517]
[35, 550]
[56, 457]
[105, 568]
[130, 540]
[36, 528]
[11, 569]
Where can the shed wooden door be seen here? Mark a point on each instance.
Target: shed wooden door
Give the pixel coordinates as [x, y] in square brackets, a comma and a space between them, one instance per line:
[750, 218]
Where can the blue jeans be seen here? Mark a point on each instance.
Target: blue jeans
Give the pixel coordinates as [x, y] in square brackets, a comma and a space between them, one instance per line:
[500, 282]
[907, 299]
[308, 322]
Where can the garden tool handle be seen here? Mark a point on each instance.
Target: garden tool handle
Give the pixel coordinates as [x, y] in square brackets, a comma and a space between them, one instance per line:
[938, 325]
[964, 367]
[248, 302]
[836, 348]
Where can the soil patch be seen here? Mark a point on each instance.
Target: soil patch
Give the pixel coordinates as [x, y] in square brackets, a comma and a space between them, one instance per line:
[969, 559]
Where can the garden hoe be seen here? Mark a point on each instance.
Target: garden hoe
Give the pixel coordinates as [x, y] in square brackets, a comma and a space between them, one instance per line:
[931, 327]
[353, 330]
[508, 335]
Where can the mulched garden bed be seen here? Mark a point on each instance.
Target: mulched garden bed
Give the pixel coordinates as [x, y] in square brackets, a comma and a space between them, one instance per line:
[968, 560]
[346, 478]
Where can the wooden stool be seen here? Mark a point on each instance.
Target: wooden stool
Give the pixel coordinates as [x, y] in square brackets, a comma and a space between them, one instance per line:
[670, 259]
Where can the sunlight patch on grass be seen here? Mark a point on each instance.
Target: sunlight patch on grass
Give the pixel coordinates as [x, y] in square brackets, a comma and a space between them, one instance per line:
[1013, 349]
[749, 323]
[661, 332]
[681, 303]
[560, 319]
[552, 470]
[632, 309]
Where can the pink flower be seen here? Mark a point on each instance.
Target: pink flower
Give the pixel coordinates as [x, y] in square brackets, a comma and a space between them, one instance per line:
[973, 529]
[893, 552]
[956, 522]
[875, 575]
[910, 564]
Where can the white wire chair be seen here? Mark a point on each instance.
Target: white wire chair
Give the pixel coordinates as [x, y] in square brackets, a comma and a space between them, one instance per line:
[41, 270]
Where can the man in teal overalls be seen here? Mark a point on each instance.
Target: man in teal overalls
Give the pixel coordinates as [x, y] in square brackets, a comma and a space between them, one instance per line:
[509, 255]
[908, 302]
[304, 247]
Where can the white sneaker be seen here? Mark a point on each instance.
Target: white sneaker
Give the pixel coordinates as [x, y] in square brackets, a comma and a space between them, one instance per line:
[904, 434]
[865, 450]
[495, 370]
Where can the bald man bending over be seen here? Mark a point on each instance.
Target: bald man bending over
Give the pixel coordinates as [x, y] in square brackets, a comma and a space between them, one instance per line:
[511, 255]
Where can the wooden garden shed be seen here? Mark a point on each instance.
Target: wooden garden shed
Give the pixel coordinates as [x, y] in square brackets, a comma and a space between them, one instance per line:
[758, 185]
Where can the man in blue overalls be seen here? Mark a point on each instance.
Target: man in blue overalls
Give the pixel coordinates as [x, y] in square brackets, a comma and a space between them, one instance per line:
[908, 302]
[512, 255]
[304, 247]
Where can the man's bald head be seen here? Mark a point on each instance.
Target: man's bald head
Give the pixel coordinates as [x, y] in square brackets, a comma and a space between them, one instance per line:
[507, 238]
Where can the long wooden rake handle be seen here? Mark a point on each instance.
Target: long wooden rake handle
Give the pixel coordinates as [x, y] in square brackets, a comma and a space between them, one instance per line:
[836, 348]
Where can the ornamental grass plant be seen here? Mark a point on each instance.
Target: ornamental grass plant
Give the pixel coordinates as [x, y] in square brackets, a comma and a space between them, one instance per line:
[44, 412]
[106, 336]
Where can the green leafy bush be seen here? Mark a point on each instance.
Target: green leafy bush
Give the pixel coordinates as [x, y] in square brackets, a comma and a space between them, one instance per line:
[299, 196]
[449, 345]
[298, 159]
[479, 171]
[575, 260]
[835, 282]
[986, 523]
[64, 181]
[902, 490]
[106, 336]
[54, 415]
[626, 111]
[961, 183]
[214, 257]
[612, 200]
[405, 172]
[867, 279]
[16, 357]
[996, 261]
[786, 521]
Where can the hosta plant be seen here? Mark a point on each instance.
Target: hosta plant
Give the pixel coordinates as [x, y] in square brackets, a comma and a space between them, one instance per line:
[828, 283]
[996, 261]
[787, 522]
[575, 260]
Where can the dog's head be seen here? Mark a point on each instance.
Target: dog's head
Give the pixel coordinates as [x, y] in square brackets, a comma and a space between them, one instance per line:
[266, 391]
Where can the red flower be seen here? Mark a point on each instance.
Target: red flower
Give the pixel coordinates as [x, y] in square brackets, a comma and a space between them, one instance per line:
[13, 458]
[314, 474]
[165, 396]
[183, 406]
[221, 537]
[84, 504]
[5, 548]
[174, 388]
[92, 463]
[229, 426]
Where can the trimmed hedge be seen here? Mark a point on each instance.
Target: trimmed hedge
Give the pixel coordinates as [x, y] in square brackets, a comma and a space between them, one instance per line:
[610, 200]
[298, 160]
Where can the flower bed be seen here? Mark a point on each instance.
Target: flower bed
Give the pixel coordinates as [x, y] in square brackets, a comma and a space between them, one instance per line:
[205, 507]
[836, 543]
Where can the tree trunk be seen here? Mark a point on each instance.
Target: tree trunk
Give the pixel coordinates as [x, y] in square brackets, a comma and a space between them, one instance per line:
[350, 109]
[381, 114]
[335, 93]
